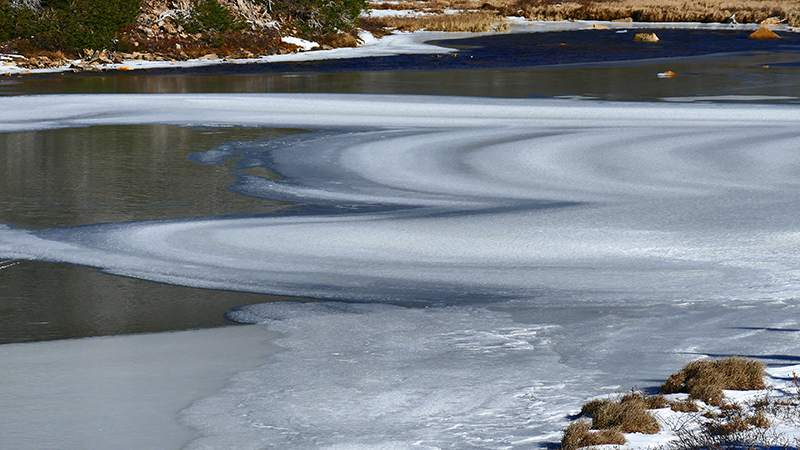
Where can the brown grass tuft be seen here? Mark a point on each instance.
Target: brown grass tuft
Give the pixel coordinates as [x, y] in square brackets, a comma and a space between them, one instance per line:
[705, 379]
[684, 406]
[578, 435]
[630, 415]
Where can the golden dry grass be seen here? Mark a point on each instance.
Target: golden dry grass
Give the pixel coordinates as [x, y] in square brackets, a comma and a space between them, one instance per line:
[629, 415]
[705, 379]
[578, 434]
[439, 6]
[746, 11]
[684, 406]
[477, 21]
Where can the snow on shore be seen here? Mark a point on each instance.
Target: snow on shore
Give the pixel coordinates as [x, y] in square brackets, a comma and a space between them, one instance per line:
[399, 43]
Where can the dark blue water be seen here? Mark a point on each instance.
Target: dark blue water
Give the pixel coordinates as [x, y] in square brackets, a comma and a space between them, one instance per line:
[520, 50]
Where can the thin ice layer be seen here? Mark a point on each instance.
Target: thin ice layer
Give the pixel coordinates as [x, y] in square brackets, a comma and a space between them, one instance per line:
[508, 377]
[466, 199]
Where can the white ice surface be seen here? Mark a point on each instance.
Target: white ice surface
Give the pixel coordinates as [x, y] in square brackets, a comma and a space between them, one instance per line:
[508, 196]
[583, 248]
[117, 392]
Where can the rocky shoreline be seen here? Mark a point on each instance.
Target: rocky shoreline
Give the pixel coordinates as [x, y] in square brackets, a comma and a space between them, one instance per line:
[158, 35]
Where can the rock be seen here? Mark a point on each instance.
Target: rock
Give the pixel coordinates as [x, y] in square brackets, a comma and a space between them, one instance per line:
[764, 33]
[209, 56]
[170, 28]
[85, 67]
[645, 37]
[104, 57]
[596, 26]
[667, 74]
[125, 68]
[771, 21]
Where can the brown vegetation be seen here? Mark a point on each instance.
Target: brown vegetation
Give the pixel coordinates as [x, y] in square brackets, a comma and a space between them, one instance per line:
[747, 11]
[610, 419]
[476, 22]
[726, 425]
[629, 415]
[578, 434]
[707, 11]
[684, 406]
[705, 379]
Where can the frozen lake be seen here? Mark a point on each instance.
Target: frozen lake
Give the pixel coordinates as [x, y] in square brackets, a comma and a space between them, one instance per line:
[492, 263]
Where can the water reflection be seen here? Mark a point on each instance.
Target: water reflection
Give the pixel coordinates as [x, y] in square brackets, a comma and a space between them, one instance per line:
[79, 176]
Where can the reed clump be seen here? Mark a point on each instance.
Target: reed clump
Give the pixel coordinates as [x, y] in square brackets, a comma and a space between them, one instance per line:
[705, 379]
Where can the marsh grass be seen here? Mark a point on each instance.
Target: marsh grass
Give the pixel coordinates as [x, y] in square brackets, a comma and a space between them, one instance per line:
[748, 11]
[706, 11]
[471, 21]
[705, 379]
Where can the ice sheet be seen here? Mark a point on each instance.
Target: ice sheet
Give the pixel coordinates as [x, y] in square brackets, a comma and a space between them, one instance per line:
[378, 376]
[464, 198]
[117, 392]
[553, 250]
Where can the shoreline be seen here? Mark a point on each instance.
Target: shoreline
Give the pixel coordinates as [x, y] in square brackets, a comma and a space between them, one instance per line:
[401, 43]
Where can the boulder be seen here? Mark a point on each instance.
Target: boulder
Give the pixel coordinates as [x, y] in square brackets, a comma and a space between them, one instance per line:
[645, 37]
[596, 26]
[771, 21]
[764, 33]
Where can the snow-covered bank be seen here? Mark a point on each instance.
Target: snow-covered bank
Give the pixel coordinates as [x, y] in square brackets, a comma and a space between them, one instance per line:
[396, 44]
[399, 43]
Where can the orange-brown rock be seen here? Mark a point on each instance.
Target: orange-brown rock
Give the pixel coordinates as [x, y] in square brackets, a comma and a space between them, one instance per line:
[645, 37]
[764, 33]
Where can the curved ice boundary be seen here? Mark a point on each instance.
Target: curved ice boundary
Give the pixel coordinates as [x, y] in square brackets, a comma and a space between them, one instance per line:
[445, 199]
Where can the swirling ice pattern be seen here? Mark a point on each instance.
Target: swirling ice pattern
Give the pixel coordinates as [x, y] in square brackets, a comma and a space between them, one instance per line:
[543, 200]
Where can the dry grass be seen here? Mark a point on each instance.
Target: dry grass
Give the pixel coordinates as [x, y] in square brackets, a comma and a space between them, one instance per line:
[439, 6]
[475, 21]
[629, 415]
[684, 406]
[705, 379]
[748, 11]
[727, 425]
[578, 434]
